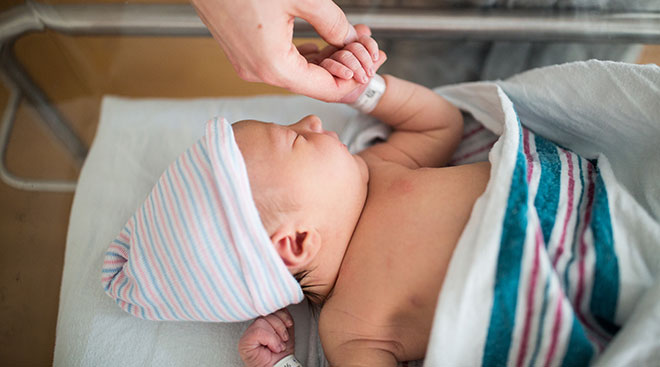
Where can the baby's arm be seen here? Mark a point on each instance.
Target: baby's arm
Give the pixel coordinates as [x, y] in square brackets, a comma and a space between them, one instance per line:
[427, 128]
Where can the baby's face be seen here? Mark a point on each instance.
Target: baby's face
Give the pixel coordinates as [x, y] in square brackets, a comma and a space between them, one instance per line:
[313, 167]
[301, 157]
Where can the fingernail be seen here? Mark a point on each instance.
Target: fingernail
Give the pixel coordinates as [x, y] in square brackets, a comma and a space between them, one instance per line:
[286, 335]
[365, 79]
[375, 55]
[348, 73]
[282, 347]
[370, 71]
[352, 35]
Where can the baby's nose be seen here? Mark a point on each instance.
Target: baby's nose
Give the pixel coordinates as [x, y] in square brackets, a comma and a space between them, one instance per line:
[314, 123]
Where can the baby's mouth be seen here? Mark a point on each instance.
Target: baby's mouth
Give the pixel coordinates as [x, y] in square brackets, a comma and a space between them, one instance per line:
[331, 133]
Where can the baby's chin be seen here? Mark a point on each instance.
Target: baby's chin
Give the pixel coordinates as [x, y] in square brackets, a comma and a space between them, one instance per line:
[362, 167]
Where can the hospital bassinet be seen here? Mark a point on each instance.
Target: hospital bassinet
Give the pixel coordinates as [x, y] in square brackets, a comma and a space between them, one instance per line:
[389, 20]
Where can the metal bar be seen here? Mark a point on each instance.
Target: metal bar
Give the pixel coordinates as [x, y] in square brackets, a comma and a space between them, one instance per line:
[495, 24]
[38, 99]
[9, 178]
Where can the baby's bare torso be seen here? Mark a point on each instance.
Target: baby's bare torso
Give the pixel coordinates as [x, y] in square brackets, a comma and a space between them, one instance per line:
[388, 285]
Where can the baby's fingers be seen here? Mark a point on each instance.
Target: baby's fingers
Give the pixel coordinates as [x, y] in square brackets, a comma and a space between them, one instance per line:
[371, 45]
[362, 54]
[278, 324]
[259, 335]
[348, 59]
[336, 69]
[285, 316]
[270, 340]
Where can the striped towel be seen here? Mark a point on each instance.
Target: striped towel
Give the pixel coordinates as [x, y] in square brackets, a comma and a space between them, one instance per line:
[537, 276]
[557, 277]
[196, 249]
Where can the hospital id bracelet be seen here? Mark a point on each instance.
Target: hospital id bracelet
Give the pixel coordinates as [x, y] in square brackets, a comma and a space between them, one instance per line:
[288, 361]
[368, 100]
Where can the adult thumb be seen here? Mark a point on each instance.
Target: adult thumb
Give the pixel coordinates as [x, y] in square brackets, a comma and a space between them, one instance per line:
[328, 20]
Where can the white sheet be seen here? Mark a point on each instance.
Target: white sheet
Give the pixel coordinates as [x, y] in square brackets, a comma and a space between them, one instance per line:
[135, 141]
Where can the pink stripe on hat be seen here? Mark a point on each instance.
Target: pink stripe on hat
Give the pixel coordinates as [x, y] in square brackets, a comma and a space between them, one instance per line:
[196, 249]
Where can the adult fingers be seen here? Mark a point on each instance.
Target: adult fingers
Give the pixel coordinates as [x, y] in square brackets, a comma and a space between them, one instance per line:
[310, 52]
[362, 30]
[302, 77]
[328, 20]
[307, 48]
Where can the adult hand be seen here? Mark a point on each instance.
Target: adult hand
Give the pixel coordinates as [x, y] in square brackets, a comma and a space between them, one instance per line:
[257, 37]
[349, 63]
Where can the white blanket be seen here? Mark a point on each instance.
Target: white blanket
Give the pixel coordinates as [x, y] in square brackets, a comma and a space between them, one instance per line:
[537, 282]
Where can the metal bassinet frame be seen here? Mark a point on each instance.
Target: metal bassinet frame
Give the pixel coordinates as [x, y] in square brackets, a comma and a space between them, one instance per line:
[182, 20]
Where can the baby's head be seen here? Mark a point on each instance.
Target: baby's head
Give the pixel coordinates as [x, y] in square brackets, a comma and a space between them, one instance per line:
[230, 220]
[309, 191]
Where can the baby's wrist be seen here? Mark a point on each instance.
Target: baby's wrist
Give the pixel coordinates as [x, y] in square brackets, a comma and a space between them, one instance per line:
[288, 361]
[368, 99]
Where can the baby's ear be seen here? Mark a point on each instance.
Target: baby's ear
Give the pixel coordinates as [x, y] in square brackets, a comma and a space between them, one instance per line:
[296, 247]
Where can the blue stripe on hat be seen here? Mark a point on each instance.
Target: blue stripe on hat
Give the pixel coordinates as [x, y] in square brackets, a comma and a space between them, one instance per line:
[195, 252]
[125, 245]
[140, 250]
[161, 266]
[225, 243]
[113, 270]
[233, 312]
[182, 256]
[170, 259]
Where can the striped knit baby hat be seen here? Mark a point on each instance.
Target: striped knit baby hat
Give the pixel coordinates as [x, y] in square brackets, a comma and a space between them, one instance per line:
[196, 249]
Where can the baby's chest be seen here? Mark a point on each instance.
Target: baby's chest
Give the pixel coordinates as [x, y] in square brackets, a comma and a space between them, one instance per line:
[394, 267]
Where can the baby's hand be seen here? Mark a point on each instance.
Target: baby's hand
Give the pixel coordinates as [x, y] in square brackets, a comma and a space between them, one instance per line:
[267, 340]
[353, 66]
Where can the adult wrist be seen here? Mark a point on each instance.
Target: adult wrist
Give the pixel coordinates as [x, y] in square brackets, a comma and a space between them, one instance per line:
[288, 361]
[370, 97]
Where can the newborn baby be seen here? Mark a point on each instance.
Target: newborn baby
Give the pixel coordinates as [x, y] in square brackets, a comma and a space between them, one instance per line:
[256, 214]
[369, 236]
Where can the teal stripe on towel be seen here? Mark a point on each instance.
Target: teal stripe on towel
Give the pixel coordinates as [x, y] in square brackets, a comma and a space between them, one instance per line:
[579, 349]
[505, 294]
[547, 198]
[605, 292]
